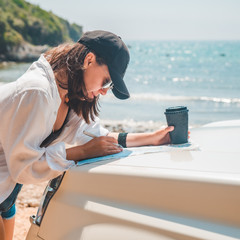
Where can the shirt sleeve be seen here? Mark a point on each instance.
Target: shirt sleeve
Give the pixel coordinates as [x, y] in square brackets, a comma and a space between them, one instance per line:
[27, 122]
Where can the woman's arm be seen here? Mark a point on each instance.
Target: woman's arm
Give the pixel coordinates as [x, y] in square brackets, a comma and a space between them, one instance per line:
[144, 139]
[106, 145]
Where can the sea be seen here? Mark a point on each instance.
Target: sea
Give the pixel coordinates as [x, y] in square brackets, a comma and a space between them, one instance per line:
[202, 75]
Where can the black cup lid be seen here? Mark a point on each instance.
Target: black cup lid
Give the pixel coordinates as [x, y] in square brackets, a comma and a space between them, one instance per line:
[176, 109]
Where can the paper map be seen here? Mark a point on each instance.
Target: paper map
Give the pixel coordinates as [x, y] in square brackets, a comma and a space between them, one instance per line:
[143, 150]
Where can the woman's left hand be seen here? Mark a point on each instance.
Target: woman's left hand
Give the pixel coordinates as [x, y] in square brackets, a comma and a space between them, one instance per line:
[162, 136]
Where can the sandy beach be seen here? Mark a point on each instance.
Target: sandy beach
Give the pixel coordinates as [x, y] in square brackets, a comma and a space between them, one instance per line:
[27, 205]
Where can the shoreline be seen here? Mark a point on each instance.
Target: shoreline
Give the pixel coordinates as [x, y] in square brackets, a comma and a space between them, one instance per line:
[6, 64]
[132, 126]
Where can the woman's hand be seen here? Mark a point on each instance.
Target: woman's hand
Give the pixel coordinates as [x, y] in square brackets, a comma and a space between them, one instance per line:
[161, 136]
[96, 147]
[101, 146]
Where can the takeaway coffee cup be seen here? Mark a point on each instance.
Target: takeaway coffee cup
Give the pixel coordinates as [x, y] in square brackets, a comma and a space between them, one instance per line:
[178, 117]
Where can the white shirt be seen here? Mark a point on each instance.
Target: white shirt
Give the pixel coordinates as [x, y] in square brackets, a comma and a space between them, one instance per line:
[28, 111]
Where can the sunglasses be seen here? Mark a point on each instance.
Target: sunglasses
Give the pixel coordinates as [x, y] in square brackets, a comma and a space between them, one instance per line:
[108, 85]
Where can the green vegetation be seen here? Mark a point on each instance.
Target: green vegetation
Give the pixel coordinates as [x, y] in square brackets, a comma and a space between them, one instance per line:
[22, 22]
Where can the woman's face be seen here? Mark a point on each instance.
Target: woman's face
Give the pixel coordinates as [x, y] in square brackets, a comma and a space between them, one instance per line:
[95, 76]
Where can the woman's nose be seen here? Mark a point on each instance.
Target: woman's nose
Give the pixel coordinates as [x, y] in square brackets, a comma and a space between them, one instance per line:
[103, 91]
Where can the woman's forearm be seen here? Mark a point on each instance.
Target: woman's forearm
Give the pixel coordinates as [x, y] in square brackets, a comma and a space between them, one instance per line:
[75, 153]
[144, 139]
[140, 139]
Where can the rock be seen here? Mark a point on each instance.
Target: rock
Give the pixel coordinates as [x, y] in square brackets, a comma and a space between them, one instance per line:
[33, 203]
[25, 52]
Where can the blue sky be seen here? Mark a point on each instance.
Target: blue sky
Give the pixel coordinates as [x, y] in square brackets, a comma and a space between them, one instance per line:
[153, 19]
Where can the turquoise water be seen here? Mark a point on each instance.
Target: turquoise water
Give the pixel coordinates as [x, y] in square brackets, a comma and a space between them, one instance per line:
[204, 76]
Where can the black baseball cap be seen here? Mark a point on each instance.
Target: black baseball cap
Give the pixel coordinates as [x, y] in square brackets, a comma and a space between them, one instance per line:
[113, 50]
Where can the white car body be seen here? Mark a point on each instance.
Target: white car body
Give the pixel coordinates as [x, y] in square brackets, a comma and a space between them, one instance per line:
[182, 195]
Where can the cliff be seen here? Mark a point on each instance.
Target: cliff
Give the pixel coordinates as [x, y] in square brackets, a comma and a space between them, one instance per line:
[26, 30]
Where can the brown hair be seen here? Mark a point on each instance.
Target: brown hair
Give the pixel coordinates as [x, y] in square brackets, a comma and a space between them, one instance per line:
[68, 59]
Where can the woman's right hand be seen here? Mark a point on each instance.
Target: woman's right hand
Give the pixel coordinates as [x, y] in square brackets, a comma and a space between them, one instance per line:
[97, 147]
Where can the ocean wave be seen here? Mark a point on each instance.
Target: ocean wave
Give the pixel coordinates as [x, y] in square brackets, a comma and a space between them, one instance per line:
[159, 97]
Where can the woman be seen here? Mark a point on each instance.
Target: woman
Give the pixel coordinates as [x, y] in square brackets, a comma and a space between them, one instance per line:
[52, 104]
